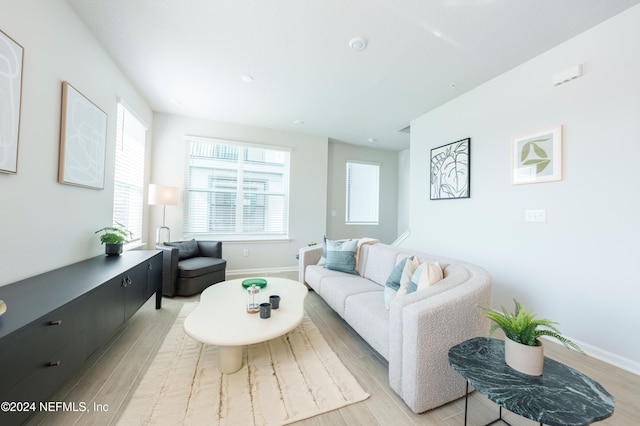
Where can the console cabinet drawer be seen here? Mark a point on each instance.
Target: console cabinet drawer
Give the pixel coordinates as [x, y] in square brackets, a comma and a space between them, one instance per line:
[52, 371]
[27, 349]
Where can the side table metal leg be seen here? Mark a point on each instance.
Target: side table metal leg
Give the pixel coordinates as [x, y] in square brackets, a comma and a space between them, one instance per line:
[466, 401]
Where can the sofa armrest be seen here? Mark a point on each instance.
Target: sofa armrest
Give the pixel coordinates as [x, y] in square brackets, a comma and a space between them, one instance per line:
[309, 255]
[169, 269]
[210, 249]
[423, 330]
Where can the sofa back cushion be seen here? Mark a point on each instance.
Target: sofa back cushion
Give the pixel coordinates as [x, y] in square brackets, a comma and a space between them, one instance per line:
[378, 262]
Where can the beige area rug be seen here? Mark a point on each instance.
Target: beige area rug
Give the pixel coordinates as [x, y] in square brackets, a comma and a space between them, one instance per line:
[284, 380]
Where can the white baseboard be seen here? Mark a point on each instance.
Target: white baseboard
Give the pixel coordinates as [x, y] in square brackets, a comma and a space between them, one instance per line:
[611, 358]
[608, 357]
[260, 271]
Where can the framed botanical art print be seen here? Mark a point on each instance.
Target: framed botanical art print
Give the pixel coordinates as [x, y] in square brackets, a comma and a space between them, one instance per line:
[450, 170]
[83, 139]
[537, 156]
[11, 60]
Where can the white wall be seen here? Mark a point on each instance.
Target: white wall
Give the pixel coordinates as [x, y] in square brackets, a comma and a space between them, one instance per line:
[43, 224]
[404, 179]
[578, 268]
[308, 198]
[386, 230]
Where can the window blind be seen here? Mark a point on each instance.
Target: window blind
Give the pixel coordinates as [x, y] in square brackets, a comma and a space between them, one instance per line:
[235, 191]
[363, 183]
[129, 172]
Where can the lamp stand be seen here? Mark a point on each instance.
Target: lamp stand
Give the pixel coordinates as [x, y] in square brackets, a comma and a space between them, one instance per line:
[160, 230]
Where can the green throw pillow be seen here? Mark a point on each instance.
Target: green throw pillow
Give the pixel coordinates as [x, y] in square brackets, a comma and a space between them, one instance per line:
[340, 255]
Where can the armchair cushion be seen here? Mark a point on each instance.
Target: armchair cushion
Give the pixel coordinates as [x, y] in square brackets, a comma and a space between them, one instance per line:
[197, 266]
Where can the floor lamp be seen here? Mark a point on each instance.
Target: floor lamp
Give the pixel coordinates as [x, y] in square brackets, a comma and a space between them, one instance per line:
[164, 196]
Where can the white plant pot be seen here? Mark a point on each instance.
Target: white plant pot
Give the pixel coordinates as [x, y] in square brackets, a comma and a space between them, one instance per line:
[526, 359]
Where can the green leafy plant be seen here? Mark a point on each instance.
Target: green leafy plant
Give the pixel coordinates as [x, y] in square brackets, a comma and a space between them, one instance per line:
[522, 326]
[117, 234]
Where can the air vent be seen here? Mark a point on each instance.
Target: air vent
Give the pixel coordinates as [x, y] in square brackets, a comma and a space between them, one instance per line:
[406, 130]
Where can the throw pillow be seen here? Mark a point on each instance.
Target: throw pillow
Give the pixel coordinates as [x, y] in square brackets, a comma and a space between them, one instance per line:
[425, 275]
[341, 255]
[408, 271]
[393, 283]
[323, 257]
[186, 249]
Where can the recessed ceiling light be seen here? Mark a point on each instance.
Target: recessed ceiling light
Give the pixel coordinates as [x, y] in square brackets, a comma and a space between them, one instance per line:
[358, 43]
[372, 140]
[453, 85]
[298, 122]
[247, 78]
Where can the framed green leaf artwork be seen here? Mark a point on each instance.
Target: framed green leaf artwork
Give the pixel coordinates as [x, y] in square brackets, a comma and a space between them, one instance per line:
[537, 157]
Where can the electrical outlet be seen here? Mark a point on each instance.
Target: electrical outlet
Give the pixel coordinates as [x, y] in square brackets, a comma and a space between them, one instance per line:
[245, 252]
[539, 216]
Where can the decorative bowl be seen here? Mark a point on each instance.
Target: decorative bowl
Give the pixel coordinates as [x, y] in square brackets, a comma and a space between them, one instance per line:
[259, 282]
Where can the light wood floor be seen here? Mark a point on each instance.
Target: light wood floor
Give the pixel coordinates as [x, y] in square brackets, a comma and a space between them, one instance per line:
[111, 376]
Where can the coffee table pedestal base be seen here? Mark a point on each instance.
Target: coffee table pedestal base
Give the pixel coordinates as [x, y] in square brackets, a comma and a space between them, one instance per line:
[229, 359]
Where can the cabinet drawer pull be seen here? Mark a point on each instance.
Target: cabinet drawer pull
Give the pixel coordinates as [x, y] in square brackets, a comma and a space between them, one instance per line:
[126, 281]
[54, 363]
[55, 322]
[150, 266]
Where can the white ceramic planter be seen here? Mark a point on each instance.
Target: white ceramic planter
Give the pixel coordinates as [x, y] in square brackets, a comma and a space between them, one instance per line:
[526, 359]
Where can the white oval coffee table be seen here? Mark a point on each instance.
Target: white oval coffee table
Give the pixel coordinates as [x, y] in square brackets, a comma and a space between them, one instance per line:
[221, 318]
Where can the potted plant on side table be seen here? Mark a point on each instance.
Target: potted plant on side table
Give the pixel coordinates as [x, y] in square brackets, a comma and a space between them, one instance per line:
[114, 237]
[522, 349]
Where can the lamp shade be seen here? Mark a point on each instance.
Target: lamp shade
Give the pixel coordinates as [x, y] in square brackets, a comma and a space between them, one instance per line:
[163, 195]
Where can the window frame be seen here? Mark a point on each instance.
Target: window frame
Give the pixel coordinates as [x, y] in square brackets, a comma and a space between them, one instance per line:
[136, 192]
[375, 216]
[240, 181]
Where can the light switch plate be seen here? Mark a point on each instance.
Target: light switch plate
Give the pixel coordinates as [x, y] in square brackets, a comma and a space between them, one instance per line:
[539, 216]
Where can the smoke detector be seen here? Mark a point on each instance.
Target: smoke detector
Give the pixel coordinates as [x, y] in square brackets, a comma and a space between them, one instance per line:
[358, 43]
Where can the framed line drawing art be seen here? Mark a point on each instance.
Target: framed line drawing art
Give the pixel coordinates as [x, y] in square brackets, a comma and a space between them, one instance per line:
[537, 156]
[83, 139]
[450, 170]
[11, 60]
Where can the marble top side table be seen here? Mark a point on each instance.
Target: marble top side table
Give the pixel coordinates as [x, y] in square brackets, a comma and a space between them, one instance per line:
[562, 396]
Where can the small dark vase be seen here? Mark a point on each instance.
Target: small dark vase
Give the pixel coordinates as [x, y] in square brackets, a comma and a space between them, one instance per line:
[113, 249]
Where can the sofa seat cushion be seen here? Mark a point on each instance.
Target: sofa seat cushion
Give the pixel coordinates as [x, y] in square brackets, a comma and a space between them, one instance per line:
[366, 314]
[196, 266]
[315, 274]
[335, 290]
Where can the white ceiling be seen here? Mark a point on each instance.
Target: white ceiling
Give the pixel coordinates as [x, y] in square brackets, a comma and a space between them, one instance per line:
[187, 57]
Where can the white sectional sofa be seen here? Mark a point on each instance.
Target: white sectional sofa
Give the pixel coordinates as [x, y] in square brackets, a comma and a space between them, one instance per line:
[415, 334]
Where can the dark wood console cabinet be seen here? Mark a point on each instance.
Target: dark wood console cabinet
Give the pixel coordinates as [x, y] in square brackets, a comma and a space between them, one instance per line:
[55, 321]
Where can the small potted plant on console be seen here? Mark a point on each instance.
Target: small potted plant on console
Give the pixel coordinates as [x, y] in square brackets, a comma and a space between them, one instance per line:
[114, 237]
[522, 349]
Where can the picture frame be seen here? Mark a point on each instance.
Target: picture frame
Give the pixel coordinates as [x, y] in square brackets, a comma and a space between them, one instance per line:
[83, 139]
[12, 58]
[536, 157]
[450, 171]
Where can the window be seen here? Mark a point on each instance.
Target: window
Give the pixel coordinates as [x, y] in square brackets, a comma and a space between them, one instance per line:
[363, 183]
[236, 191]
[129, 172]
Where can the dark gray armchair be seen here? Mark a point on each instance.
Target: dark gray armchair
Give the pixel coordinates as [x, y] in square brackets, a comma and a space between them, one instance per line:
[191, 266]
